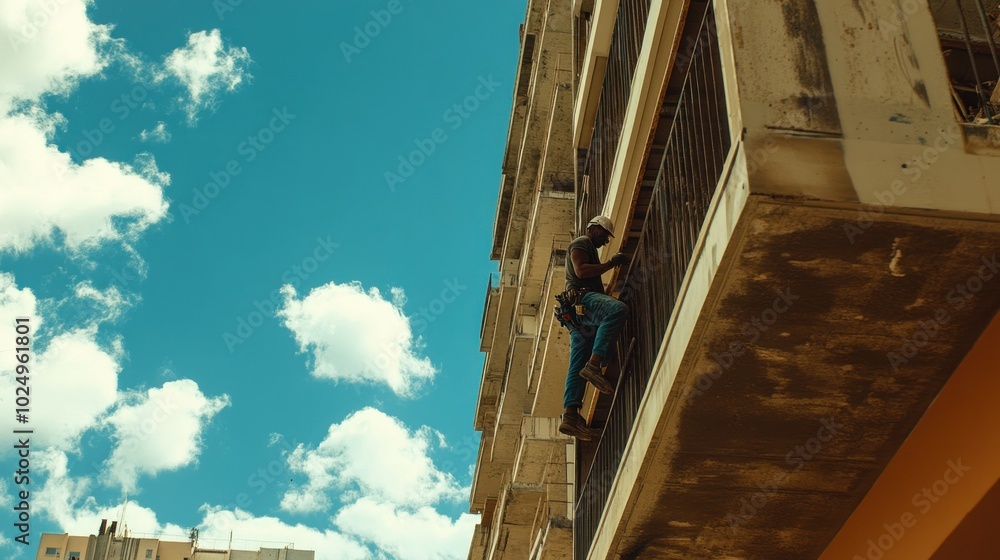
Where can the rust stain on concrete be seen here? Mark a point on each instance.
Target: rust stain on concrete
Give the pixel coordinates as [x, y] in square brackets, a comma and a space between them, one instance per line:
[800, 339]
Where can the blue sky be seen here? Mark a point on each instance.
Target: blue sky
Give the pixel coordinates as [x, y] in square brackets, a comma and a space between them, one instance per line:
[253, 243]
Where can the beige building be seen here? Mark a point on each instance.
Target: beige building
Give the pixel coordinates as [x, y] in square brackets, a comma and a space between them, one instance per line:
[811, 192]
[108, 545]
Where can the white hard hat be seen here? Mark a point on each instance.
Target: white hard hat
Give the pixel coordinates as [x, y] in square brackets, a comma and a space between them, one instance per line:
[604, 222]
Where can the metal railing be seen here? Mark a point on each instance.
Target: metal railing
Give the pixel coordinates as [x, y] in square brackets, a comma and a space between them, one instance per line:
[623, 56]
[967, 30]
[491, 291]
[691, 168]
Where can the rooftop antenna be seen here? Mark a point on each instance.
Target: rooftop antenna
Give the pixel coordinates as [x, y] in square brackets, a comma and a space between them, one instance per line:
[121, 519]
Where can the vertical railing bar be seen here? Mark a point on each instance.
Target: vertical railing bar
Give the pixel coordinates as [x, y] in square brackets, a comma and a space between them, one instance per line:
[719, 118]
[704, 135]
[688, 174]
[989, 34]
[675, 222]
[708, 139]
[972, 61]
[721, 115]
[691, 185]
[677, 192]
[710, 59]
[684, 173]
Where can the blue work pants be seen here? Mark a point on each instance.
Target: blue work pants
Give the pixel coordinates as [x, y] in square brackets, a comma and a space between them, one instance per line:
[598, 330]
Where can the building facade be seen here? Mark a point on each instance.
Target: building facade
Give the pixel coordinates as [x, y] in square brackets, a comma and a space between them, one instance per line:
[107, 544]
[811, 194]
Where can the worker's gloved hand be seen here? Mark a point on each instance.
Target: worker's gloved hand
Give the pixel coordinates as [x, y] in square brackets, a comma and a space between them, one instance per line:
[621, 259]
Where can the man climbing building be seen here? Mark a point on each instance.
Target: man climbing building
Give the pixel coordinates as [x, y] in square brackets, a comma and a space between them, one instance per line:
[593, 332]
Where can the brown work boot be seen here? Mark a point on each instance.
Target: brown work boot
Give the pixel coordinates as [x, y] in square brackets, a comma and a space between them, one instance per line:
[574, 425]
[592, 373]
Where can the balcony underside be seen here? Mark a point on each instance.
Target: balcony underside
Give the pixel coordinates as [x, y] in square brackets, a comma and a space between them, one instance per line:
[800, 382]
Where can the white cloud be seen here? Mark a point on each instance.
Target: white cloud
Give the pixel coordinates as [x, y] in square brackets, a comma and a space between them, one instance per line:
[6, 498]
[72, 382]
[381, 465]
[370, 454]
[17, 302]
[422, 534]
[159, 430]
[67, 501]
[158, 133]
[105, 306]
[205, 66]
[47, 46]
[248, 530]
[357, 336]
[145, 165]
[43, 191]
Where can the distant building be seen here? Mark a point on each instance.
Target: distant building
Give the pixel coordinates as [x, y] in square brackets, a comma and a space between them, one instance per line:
[811, 192]
[106, 545]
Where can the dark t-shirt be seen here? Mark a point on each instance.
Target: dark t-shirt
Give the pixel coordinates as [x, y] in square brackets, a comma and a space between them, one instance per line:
[593, 284]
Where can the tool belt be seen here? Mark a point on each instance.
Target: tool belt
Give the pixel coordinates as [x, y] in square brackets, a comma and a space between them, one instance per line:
[570, 310]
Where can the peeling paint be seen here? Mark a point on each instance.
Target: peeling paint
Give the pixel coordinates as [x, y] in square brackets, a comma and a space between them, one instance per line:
[811, 67]
[895, 265]
[860, 9]
[906, 58]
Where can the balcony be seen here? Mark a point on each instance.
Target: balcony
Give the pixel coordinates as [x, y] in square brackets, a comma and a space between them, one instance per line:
[519, 483]
[784, 337]
[596, 166]
[967, 33]
[544, 64]
[673, 216]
